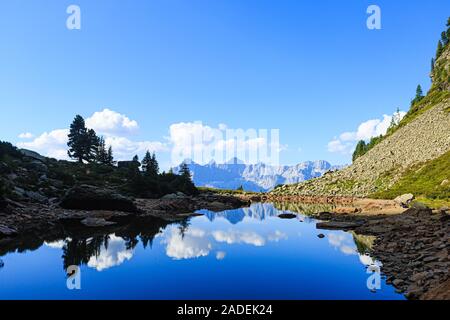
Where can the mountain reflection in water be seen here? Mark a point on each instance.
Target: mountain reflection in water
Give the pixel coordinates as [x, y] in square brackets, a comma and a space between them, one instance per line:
[242, 253]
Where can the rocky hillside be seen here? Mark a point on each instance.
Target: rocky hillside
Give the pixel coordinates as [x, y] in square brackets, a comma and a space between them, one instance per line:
[421, 138]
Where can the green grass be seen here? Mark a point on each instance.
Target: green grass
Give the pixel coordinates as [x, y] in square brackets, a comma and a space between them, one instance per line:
[425, 181]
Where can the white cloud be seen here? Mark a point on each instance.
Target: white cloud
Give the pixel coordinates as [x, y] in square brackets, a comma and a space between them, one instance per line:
[277, 236]
[56, 244]
[346, 141]
[235, 237]
[114, 255]
[202, 144]
[52, 144]
[193, 244]
[109, 122]
[220, 255]
[125, 149]
[26, 135]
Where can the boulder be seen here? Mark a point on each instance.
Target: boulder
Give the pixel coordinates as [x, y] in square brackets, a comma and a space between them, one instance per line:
[339, 225]
[32, 154]
[86, 197]
[36, 196]
[419, 206]
[172, 196]
[287, 216]
[96, 222]
[404, 200]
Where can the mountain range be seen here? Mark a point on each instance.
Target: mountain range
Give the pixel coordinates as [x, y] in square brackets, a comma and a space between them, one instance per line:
[254, 177]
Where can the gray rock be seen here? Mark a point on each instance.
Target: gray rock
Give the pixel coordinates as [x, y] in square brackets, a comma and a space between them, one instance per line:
[419, 206]
[96, 222]
[38, 166]
[287, 216]
[86, 197]
[32, 154]
[405, 199]
[36, 196]
[170, 196]
[339, 225]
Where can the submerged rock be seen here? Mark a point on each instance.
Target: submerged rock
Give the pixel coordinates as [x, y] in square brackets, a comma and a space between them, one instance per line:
[287, 216]
[86, 197]
[96, 222]
[339, 225]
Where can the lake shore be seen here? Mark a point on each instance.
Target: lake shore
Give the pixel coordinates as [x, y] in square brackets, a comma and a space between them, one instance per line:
[19, 218]
[412, 243]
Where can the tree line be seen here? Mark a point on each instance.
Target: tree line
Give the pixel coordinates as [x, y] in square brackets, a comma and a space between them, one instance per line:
[442, 43]
[144, 177]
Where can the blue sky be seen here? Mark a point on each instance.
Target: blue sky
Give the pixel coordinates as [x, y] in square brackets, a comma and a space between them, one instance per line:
[309, 68]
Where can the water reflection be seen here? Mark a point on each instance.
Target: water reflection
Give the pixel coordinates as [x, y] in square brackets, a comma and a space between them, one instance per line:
[258, 246]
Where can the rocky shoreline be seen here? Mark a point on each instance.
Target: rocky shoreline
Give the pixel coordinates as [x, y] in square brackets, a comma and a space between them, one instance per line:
[20, 218]
[413, 246]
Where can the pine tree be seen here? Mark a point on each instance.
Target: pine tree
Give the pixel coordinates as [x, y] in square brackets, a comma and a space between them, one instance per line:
[360, 149]
[432, 64]
[83, 143]
[419, 93]
[444, 38]
[154, 166]
[439, 50]
[102, 153]
[185, 172]
[92, 142]
[110, 157]
[146, 162]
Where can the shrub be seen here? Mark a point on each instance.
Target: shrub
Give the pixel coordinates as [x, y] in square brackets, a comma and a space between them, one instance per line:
[7, 149]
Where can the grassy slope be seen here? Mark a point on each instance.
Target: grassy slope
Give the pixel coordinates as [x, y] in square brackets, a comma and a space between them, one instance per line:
[425, 181]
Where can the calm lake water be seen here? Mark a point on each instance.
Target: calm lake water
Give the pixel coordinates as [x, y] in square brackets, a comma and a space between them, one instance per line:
[246, 253]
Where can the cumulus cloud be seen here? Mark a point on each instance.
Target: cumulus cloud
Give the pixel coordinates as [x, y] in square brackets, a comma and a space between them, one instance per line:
[192, 244]
[235, 237]
[220, 255]
[26, 135]
[56, 244]
[345, 143]
[113, 255]
[52, 144]
[277, 236]
[203, 143]
[109, 122]
[124, 148]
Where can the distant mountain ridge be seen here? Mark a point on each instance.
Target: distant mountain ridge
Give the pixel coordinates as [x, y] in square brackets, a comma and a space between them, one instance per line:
[254, 177]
